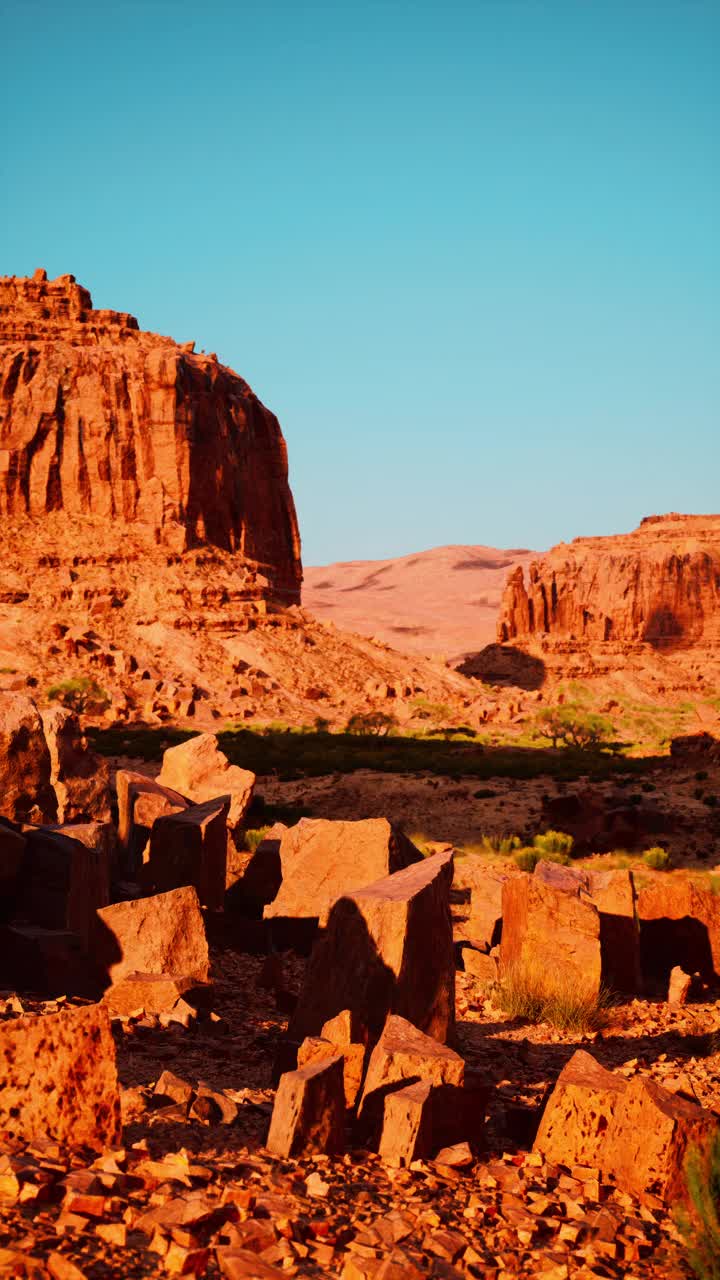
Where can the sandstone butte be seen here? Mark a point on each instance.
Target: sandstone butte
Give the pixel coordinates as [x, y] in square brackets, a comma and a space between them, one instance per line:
[149, 533]
[658, 587]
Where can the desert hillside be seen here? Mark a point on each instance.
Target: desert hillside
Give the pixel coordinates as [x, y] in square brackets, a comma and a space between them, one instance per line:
[444, 601]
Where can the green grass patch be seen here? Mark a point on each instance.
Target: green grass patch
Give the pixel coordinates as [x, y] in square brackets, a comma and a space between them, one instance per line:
[538, 998]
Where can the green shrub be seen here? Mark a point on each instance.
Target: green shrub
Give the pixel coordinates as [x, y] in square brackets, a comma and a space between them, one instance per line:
[569, 726]
[376, 724]
[562, 1003]
[253, 836]
[527, 859]
[700, 1223]
[81, 693]
[657, 858]
[554, 842]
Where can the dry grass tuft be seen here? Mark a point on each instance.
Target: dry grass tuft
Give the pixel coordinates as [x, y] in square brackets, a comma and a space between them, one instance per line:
[559, 1002]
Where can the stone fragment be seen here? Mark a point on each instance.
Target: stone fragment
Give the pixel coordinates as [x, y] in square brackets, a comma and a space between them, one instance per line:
[679, 986]
[242, 1264]
[309, 1111]
[141, 801]
[153, 992]
[79, 777]
[420, 1119]
[199, 770]
[482, 966]
[190, 848]
[635, 1131]
[58, 1078]
[63, 882]
[404, 1053]
[551, 933]
[322, 860]
[679, 925]
[169, 1085]
[387, 948]
[25, 791]
[335, 1039]
[163, 934]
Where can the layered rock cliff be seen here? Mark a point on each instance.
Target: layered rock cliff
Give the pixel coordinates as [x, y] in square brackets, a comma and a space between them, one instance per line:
[112, 438]
[658, 586]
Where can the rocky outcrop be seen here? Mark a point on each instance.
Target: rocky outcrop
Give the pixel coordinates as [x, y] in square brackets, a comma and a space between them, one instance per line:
[658, 586]
[107, 431]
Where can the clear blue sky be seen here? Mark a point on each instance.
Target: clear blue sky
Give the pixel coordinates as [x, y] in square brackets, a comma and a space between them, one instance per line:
[468, 251]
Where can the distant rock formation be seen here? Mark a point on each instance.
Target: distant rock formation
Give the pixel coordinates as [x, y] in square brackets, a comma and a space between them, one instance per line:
[658, 586]
[109, 433]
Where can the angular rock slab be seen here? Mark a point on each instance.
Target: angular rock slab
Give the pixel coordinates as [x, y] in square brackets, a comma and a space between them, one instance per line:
[422, 1118]
[633, 1130]
[25, 791]
[199, 770]
[58, 1077]
[309, 1111]
[387, 949]
[190, 848]
[153, 992]
[322, 860]
[679, 925]
[404, 1053]
[613, 893]
[551, 930]
[336, 1037]
[163, 934]
[140, 802]
[63, 882]
[79, 777]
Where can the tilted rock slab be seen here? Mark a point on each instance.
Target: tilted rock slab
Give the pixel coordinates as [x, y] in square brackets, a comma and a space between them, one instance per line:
[161, 934]
[551, 932]
[679, 925]
[79, 777]
[309, 1111]
[613, 893]
[421, 1118]
[190, 848]
[336, 1037]
[26, 794]
[63, 882]
[140, 801]
[321, 860]
[404, 1054]
[387, 949]
[199, 770]
[58, 1078]
[634, 1130]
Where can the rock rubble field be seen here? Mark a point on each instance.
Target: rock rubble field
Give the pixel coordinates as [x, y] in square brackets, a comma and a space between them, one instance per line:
[309, 1067]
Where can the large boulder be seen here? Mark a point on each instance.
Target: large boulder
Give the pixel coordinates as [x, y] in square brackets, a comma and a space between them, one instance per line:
[26, 794]
[387, 949]
[321, 860]
[199, 770]
[79, 777]
[58, 1078]
[679, 925]
[632, 1130]
[309, 1111]
[551, 932]
[163, 934]
[404, 1054]
[190, 847]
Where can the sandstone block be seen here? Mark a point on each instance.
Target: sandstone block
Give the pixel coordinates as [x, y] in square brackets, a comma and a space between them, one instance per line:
[387, 949]
[336, 1038]
[153, 992]
[422, 1118]
[79, 777]
[322, 860]
[551, 929]
[679, 925]
[51, 961]
[63, 882]
[25, 791]
[58, 1077]
[635, 1131]
[190, 848]
[485, 919]
[309, 1111]
[161, 934]
[404, 1053]
[199, 770]
[140, 802]
[679, 986]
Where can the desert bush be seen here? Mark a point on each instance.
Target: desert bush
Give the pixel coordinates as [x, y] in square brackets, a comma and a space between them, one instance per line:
[657, 858]
[253, 837]
[504, 845]
[569, 726]
[427, 710]
[554, 842]
[523, 993]
[80, 694]
[700, 1222]
[376, 724]
[526, 859]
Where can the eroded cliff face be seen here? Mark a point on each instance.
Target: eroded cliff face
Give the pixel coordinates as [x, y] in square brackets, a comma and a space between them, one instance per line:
[112, 439]
[658, 586]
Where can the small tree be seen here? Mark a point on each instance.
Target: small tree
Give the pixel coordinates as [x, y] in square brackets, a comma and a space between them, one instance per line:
[375, 723]
[80, 694]
[570, 727]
